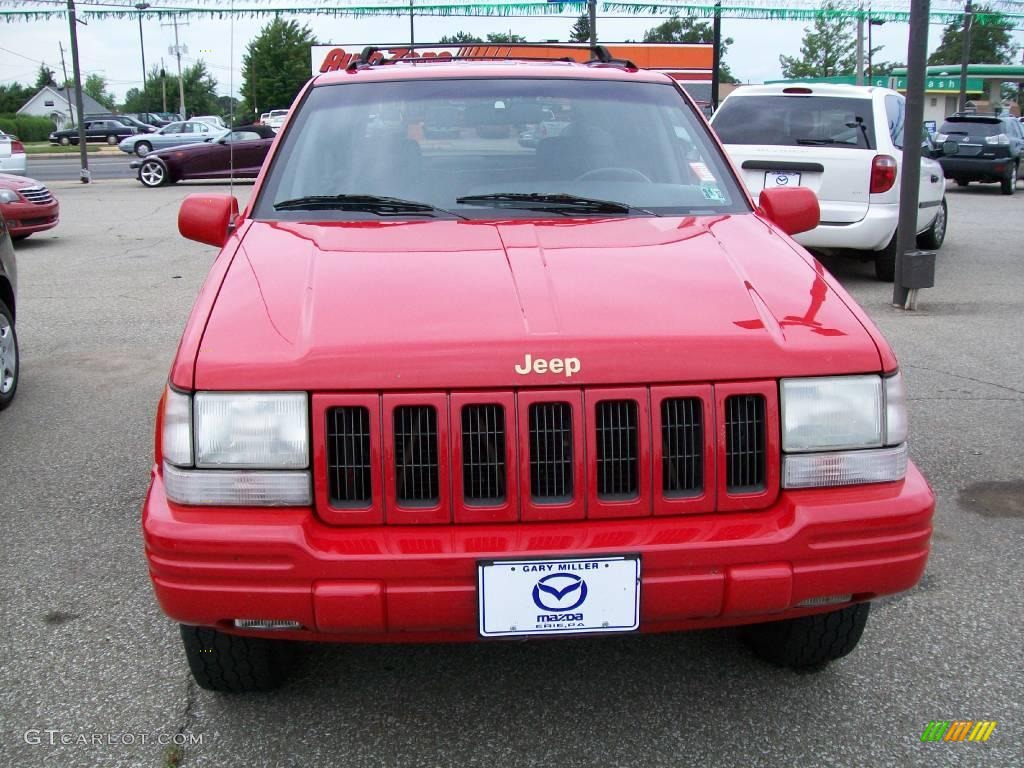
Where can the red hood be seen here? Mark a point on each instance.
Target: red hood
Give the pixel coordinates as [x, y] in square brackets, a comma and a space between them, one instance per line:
[7, 181]
[449, 304]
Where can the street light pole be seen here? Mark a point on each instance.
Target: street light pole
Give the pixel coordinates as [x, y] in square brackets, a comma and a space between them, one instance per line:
[965, 58]
[77, 74]
[592, 18]
[140, 7]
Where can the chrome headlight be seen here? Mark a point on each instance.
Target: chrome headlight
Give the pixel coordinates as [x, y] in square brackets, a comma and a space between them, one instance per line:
[843, 430]
[8, 196]
[254, 430]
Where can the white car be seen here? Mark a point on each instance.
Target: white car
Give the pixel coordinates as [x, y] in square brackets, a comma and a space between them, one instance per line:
[845, 143]
[275, 119]
[215, 120]
[12, 155]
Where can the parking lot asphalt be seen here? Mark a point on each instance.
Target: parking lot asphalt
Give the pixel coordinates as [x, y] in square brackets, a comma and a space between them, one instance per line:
[85, 655]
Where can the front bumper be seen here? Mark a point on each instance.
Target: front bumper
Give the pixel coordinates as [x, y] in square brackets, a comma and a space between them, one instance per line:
[872, 233]
[976, 168]
[26, 218]
[210, 566]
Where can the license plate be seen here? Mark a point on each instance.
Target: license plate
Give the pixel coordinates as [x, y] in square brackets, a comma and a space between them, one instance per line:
[562, 596]
[774, 179]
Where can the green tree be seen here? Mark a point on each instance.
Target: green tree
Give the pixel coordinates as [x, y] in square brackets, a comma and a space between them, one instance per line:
[45, 77]
[580, 32]
[13, 96]
[96, 86]
[460, 38]
[275, 65]
[828, 48]
[505, 38]
[689, 30]
[200, 92]
[991, 42]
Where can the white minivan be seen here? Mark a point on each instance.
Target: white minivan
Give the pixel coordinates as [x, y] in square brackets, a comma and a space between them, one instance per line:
[845, 143]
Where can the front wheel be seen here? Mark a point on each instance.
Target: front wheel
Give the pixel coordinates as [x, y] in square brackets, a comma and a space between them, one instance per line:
[1009, 184]
[233, 663]
[8, 357]
[809, 642]
[112, 140]
[64, 141]
[932, 238]
[143, 148]
[152, 173]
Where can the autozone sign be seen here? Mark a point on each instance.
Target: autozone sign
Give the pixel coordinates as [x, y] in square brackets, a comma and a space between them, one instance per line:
[683, 61]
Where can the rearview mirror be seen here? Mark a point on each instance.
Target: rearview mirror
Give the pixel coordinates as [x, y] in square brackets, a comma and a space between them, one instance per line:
[792, 210]
[207, 218]
[950, 147]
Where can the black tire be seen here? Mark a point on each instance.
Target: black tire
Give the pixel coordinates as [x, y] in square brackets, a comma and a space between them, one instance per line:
[64, 141]
[153, 173]
[143, 148]
[112, 140]
[885, 261]
[1008, 185]
[8, 367]
[234, 664]
[962, 182]
[933, 237]
[16, 238]
[809, 642]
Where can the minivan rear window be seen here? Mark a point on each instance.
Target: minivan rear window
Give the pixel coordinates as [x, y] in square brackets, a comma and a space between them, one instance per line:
[794, 121]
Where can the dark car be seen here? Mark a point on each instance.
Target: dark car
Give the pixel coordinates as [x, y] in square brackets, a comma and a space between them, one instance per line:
[108, 130]
[211, 159]
[990, 149]
[8, 337]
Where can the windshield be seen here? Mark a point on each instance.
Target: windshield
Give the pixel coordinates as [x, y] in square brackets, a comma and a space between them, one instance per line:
[525, 146]
[793, 121]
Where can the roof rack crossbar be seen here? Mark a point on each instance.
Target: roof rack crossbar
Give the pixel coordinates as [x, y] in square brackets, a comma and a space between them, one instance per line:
[373, 55]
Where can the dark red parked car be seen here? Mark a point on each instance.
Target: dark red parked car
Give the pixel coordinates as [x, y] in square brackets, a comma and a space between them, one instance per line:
[27, 206]
[211, 159]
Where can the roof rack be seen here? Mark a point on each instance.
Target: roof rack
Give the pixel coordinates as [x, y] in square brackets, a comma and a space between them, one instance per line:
[600, 56]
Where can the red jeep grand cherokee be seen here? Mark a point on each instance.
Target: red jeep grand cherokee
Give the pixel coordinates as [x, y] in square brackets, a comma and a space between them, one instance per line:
[457, 388]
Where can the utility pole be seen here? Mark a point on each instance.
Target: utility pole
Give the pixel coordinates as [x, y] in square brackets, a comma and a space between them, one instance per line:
[592, 17]
[176, 50]
[83, 151]
[716, 65]
[163, 82]
[67, 86]
[904, 290]
[412, 25]
[965, 58]
[252, 79]
[140, 7]
[860, 46]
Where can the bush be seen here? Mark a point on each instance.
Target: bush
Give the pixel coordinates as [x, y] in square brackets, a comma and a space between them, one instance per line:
[27, 127]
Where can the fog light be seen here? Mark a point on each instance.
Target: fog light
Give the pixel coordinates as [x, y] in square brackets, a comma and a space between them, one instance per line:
[820, 470]
[266, 624]
[811, 602]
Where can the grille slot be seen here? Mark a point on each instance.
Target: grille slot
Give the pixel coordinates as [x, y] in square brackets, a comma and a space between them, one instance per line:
[745, 443]
[551, 471]
[682, 446]
[483, 454]
[416, 465]
[348, 456]
[39, 195]
[617, 449]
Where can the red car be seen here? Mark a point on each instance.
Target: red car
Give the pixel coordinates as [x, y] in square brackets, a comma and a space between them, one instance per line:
[454, 389]
[243, 148]
[27, 206]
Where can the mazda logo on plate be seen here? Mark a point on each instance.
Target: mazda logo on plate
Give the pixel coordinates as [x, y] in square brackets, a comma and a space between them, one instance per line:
[560, 592]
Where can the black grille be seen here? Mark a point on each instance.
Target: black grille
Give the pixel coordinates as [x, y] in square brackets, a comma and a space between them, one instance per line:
[348, 456]
[551, 452]
[682, 446]
[416, 468]
[483, 454]
[744, 443]
[616, 449]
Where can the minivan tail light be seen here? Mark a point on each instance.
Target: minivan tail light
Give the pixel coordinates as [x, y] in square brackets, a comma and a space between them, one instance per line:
[883, 174]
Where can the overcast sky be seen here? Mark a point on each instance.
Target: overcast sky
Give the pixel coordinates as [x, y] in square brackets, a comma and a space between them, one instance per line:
[111, 46]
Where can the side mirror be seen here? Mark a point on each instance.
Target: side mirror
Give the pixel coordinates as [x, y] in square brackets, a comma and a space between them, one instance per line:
[207, 218]
[950, 147]
[792, 210]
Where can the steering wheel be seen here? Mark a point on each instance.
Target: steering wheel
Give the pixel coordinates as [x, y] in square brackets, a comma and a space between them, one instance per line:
[614, 174]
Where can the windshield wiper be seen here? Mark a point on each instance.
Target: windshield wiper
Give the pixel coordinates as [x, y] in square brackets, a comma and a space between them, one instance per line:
[821, 142]
[558, 201]
[379, 204]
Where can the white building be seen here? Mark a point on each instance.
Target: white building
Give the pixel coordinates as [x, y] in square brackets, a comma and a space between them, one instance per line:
[52, 102]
